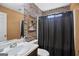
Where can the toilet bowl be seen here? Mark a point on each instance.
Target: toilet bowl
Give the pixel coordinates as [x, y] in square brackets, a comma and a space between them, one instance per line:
[42, 52]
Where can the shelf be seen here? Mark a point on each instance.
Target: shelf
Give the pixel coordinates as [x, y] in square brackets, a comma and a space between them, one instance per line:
[31, 30]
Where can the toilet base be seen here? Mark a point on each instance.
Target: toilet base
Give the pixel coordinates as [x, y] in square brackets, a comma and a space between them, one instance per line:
[42, 52]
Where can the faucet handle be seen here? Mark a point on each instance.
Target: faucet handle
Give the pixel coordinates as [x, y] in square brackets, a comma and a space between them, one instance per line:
[13, 45]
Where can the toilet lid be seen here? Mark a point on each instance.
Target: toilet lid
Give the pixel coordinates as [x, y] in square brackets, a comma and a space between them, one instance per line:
[43, 52]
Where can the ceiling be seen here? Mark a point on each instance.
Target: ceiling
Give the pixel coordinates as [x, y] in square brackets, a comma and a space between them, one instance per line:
[48, 6]
[19, 7]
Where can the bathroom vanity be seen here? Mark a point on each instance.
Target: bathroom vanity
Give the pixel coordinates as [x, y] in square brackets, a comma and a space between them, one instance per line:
[33, 53]
[21, 49]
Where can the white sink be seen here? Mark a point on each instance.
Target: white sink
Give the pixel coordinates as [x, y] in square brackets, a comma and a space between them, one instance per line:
[17, 50]
[20, 50]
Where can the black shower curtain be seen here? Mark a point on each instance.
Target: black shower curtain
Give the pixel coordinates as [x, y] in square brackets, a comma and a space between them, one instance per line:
[56, 34]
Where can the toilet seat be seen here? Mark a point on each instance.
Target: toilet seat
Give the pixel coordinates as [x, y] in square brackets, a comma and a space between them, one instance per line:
[42, 52]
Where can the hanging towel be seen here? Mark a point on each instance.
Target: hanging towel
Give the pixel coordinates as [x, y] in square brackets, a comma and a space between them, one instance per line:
[22, 29]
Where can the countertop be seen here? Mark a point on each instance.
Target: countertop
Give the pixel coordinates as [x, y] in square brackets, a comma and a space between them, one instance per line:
[22, 49]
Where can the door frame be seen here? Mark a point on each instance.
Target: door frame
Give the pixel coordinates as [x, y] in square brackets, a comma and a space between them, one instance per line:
[6, 24]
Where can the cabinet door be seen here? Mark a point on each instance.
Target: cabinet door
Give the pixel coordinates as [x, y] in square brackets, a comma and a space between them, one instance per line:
[3, 26]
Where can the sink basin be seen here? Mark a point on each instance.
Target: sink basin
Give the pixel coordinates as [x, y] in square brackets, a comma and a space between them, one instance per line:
[20, 50]
[17, 51]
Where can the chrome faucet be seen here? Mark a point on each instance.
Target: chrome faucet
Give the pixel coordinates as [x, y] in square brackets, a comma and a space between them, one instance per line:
[13, 45]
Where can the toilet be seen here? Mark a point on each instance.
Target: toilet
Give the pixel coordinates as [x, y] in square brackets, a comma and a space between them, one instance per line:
[42, 52]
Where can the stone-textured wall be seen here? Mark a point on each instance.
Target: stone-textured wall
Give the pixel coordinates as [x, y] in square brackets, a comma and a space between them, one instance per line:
[32, 9]
[31, 12]
[57, 10]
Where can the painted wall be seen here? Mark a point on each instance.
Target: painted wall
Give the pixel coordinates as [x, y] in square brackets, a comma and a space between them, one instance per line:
[13, 22]
[77, 32]
[75, 7]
